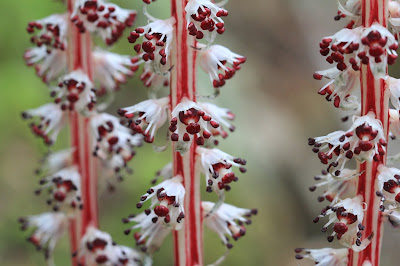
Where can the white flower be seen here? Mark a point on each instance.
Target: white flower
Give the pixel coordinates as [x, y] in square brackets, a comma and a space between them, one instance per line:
[49, 64]
[351, 11]
[55, 161]
[374, 46]
[227, 220]
[340, 88]
[75, 92]
[365, 141]
[190, 121]
[113, 142]
[106, 19]
[220, 115]
[204, 19]
[166, 173]
[158, 36]
[168, 196]
[394, 87]
[214, 60]
[324, 256]
[64, 187]
[394, 123]
[49, 228]
[336, 185]
[112, 69]
[217, 168]
[152, 230]
[151, 115]
[93, 245]
[347, 216]
[388, 184]
[52, 32]
[51, 121]
[394, 16]
[98, 249]
[393, 216]
[153, 79]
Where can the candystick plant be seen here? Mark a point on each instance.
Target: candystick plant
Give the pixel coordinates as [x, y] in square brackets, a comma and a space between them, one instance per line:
[66, 61]
[360, 199]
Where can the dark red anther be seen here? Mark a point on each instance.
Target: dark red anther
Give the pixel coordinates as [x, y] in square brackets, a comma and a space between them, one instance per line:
[161, 211]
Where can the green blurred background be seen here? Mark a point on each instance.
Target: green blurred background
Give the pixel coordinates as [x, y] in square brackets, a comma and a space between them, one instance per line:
[277, 108]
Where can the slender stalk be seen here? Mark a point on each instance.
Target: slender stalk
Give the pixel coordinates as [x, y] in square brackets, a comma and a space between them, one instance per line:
[188, 242]
[375, 98]
[79, 57]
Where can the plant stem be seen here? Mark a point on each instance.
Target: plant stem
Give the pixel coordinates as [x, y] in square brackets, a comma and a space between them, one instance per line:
[188, 242]
[374, 98]
[79, 57]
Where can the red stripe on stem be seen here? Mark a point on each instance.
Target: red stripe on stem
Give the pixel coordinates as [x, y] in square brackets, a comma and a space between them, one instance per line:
[79, 57]
[188, 242]
[374, 98]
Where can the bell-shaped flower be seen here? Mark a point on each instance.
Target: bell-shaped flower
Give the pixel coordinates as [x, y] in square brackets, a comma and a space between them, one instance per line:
[152, 230]
[189, 121]
[112, 69]
[49, 228]
[55, 161]
[336, 186]
[365, 141]
[51, 119]
[228, 220]
[340, 87]
[388, 184]
[75, 92]
[394, 17]
[324, 256]
[98, 248]
[93, 245]
[105, 19]
[204, 19]
[165, 173]
[113, 142]
[49, 64]
[64, 189]
[52, 32]
[157, 41]
[221, 115]
[393, 216]
[351, 11]
[147, 116]
[152, 79]
[394, 87]
[220, 63]
[374, 46]
[166, 201]
[347, 217]
[216, 165]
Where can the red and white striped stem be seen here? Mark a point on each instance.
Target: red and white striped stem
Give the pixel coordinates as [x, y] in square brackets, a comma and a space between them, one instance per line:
[79, 57]
[188, 242]
[374, 98]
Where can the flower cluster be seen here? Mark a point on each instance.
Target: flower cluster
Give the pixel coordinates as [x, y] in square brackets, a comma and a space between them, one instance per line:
[106, 19]
[355, 194]
[365, 141]
[98, 248]
[75, 98]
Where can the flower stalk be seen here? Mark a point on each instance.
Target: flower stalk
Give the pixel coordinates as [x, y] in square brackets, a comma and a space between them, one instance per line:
[188, 242]
[79, 57]
[361, 52]
[374, 98]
